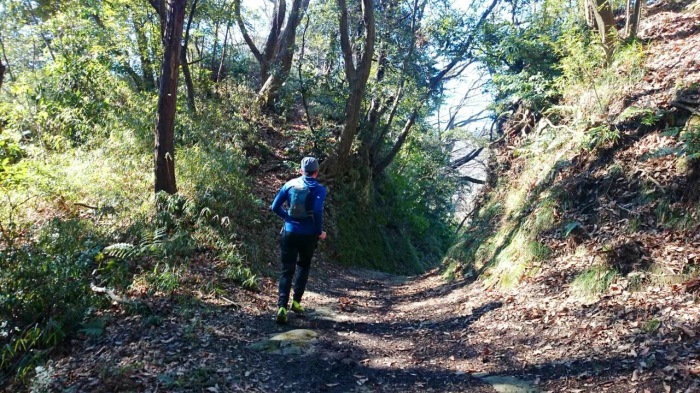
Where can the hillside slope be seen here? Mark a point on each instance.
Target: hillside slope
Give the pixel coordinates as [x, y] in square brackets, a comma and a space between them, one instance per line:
[589, 228]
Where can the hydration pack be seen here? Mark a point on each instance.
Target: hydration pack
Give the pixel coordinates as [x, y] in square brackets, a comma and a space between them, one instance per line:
[301, 201]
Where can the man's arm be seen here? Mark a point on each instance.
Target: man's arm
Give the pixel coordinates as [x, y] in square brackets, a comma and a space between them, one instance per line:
[277, 204]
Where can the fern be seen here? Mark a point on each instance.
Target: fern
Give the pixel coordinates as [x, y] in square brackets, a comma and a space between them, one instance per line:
[149, 245]
[93, 327]
[121, 251]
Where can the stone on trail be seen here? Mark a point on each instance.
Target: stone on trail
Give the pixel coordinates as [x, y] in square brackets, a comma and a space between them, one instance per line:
[293, 342]
[505, 384]
[296, 335]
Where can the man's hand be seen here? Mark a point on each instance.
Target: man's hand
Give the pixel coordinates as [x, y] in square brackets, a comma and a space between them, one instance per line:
[322, 236]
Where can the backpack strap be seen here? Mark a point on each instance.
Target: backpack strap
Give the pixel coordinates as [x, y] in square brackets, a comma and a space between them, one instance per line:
[311, 201]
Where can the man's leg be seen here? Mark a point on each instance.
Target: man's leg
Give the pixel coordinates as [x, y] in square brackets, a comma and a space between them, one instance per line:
[307, 246]
[290, 251]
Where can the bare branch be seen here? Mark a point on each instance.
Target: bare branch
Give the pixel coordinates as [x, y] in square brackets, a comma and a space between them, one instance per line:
[472, 180]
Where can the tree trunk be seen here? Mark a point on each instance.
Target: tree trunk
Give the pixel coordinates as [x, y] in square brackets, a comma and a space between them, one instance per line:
[2, 73]
[3, 68]
[605, 22]
[145, 58]
[188, 80]
[357, 81]
[284, 56]
[636, 18]
[220, 70]
[273, 38]
[212, 63]
[628, 20]
[276, 58]
[185, 66]
[174, 14]
[588, 10]
[376, 109]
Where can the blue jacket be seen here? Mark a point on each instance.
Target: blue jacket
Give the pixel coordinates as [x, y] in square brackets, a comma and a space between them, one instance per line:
[309, 226]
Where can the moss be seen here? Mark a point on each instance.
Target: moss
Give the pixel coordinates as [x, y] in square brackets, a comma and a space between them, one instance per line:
[593, 282]
[538, 251]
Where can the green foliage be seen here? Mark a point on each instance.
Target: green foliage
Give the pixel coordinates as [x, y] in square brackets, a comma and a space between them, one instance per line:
[45, 291]
[236, 269]
[674, 216]
[93, 327]
[601, 136]
[646, 116]
[402, 225]
[651, 326]
[593, 282]
[691, 143]
[571, 227]
[539, 251]
[588, 81]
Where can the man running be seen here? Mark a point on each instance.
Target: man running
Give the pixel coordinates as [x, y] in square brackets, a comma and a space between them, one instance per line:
[303, 228]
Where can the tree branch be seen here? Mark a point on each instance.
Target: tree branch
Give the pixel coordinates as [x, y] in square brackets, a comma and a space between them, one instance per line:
[244, 31]
[472, 180]
[467, 158]
[432, 88]
[350, 69]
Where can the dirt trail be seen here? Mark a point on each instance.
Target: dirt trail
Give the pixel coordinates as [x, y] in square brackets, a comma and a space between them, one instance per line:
[376, 333]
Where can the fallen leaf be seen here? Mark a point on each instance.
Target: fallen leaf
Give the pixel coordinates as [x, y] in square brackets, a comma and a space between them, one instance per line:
[690, 332]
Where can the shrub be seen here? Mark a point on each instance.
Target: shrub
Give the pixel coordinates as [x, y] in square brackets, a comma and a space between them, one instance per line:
[45, 291]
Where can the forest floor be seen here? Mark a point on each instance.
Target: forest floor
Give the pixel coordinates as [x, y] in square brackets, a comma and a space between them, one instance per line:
[377, 332]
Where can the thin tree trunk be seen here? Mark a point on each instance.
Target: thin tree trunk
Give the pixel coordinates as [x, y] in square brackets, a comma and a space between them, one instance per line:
[2, 73]
[164, 151]
[188, 80]
[416, 18]
[435, 82]
[138, 80]
[185, 66]
[376, 109]
[636, 18]
[223, 56]
[357, 80]
[628, 20]
[4, 55]
[41, 33]
[144, 57]
[588, 10]
[302, 87]
[275, 59]
[605, 22]
[212, 63]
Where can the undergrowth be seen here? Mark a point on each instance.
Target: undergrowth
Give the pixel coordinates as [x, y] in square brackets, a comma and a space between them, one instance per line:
[403, 224]
[510, 235]
[79, 212]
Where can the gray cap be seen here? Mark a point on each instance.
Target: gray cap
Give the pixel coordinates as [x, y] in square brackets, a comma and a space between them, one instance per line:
[309, 164]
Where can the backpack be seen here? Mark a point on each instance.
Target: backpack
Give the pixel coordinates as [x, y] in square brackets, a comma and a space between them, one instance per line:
[301, 201]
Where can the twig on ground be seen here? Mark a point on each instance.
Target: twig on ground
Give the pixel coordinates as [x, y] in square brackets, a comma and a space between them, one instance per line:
[110, 293]
[86, 206]
[686, 107]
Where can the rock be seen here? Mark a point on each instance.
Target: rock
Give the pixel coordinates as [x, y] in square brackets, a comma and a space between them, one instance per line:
[505, 384]
[293, 342]
[296, 335]
[265, 346]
